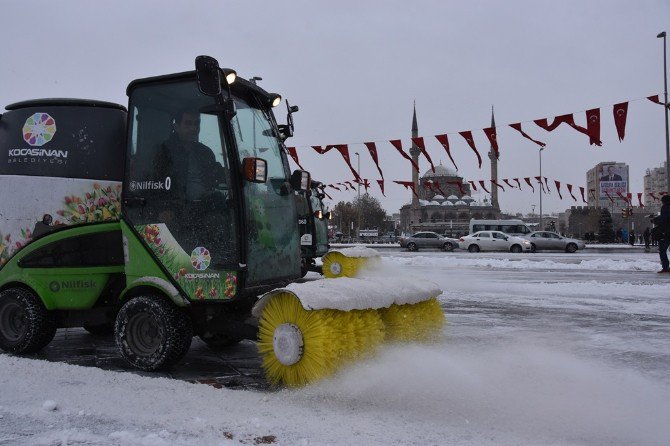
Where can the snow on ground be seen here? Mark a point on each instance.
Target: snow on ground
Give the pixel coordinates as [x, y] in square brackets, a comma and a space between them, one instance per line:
[539, 355]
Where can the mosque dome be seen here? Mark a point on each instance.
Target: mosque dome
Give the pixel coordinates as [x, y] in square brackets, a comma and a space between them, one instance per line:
[461, 203]
[452, 197]
[440, 171]
[447, 203]
[438, 197]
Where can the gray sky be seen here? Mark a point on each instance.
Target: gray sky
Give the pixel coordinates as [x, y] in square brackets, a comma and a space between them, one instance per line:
[355, 67]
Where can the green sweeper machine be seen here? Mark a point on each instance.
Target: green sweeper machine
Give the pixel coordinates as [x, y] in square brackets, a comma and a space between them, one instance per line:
[176, 217]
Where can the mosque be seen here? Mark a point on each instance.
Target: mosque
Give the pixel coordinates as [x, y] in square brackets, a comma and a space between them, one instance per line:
[430, 210]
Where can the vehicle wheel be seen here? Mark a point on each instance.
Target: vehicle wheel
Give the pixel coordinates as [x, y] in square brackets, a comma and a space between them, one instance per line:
[152, 333]
[25, 324]
[533, 248]
[448, 247]
[220, 341]
[473, 248]
[412, 247]
[571, 248]
[515, 249]
[100, 330]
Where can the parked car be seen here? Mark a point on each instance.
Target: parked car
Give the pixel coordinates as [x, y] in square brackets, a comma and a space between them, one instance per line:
[428, 239]
[494, 241]
[545, 240]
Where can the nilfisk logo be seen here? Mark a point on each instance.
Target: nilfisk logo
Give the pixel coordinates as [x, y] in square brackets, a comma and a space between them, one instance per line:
[39, 129]
[71, 285]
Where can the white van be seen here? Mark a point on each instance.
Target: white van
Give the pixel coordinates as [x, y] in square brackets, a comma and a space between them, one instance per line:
[510, 227]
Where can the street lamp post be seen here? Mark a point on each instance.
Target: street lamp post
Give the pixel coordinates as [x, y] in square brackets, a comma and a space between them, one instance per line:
[358, 156]
[665, 106]
[541, 227]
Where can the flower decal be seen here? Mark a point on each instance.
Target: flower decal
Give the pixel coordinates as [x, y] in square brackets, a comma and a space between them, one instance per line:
[39, 129]
[200, 258]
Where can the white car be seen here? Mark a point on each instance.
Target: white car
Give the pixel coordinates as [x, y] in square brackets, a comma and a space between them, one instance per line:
[493, 241]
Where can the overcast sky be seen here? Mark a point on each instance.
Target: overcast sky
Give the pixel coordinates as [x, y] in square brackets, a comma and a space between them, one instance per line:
[355, 68]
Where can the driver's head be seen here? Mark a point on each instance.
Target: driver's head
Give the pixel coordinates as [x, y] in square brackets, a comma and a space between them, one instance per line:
[187, 125]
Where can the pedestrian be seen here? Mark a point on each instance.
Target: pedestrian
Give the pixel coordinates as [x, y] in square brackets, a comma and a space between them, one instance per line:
[631, 237]
[646, 236]
[661, 232]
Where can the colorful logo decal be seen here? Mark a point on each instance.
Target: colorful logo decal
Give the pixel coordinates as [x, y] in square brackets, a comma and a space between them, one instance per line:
[39, 129]
[200, 258]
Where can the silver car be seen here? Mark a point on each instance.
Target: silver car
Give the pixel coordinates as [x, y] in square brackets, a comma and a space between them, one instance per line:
[545, 240]
[494, 241]
[428, 239]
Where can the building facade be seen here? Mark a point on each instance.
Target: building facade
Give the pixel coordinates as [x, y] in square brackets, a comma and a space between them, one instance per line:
[655, 181]
[607, 186]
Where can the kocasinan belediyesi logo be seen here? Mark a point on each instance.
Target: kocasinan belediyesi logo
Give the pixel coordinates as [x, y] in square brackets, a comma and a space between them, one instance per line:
[38, 130]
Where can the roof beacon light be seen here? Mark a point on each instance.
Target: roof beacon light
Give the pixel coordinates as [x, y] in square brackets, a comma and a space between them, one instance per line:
[276, 99]
[230, 75]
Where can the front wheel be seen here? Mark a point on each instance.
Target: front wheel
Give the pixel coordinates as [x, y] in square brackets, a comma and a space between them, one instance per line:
[152, 333]
[25, 324]
[448, 247]
[515, 249]
[412, 247]
[473, 248]
[533, 248]
[571, 248]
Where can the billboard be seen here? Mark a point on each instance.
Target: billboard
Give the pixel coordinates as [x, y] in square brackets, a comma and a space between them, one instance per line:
[612, 181]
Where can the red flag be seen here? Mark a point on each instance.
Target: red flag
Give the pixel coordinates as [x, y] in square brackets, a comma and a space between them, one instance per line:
[517, 127]
[493, 139]
[581, 190]
[398, 145]
[326, 194]
[471, 142]
[428, 185]
[381, 186]
[610, 197]
[558, 188]
[321, 151]
[569, 186]
[655, 99]
[620, 112]
[344, 151]
[518, 183]
[593, 126]
[527, 180]
[366, 184]
[372, 148]
[436, 184]
[558, 120]
[408, 185]
[494, 182]
[629, 197]
[345, 186]
[625, 200]
[420, 144]
[445, 143]
[592, 192]
[481, 183]
[335, 187]
[547, 184]
[292, 152]
[651, 194]
[508, 183]
[460, 186]
[639, 199]
[539, 180]
[472, 184]
[348, 183]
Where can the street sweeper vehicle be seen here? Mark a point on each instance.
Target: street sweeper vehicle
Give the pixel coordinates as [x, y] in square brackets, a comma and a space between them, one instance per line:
[313, 217]
[172, 218]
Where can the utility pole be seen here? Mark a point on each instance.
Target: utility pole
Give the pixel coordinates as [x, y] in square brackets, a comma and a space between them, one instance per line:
[541, 189]
[360, 178]
[665, 106]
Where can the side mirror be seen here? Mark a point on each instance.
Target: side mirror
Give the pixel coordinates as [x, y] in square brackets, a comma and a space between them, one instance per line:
[254, 170]
[318, 214]
[300, 180]
[208, 75]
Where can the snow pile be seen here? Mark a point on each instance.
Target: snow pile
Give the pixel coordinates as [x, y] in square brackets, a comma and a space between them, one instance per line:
[606, 264]
[348, 294]
[357, 252]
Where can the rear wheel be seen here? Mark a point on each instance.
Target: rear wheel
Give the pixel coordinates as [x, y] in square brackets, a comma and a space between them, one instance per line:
[25, 324]
[515, 249]
[571, 248]
[152, 333]
[412, 247]
[473, 248]
[448, 246]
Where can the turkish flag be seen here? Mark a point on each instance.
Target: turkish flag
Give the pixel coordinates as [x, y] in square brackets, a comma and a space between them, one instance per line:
[493, 139]
[495, 183]
[292, 152]
[639, 199]
[420, 144]
[517, 127]
[581, 191]
[655, 99]
[593, 126]
[436, 185]
[547, 184]
[558, 188]
[558, 120]
[398, 145]
[472, 184]
[460, 186]
[518, 182]
[539, 180]
[569, 186]
[610, 197]
[620, 112]
[506, 181]
[321, 151]
[372, 148]
[481, 183]
[444, 140]
[408, 185]
[527, 180]
[651, 194]
[344, 151]
[381, 186]
[335, 187]
[471, 142]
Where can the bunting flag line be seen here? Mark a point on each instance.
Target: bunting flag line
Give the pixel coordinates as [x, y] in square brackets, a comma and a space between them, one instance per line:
[294, 154]
[651, 194]
[344, 151]
[471, 142]
[493, 139]
[407, 185]
[517, 127]
[569, 186]
[348, 183]
[381, 186]
[472, 185]
[620, 112]
[366, 184]
[558, 188]
[610, 197]
[539, 180]
[420, 144]
[398, 145]
[625, 200]
[570, 120]
[444, 140]
[639, 199]
[335, 187]
[581, 191]
[593, 126]
[436, 184]
[481, 183]
[592, 193]
[460, 186]
[527, 180]
[506, 181]
[372, 148]
[546, 183]
[495, 183]
[629, 196]
[321, 151]
[655, 99]
[518, 182]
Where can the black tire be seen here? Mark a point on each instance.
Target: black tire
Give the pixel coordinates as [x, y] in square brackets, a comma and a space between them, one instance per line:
[571, 248]
[412, 247]
[473, 248]
[152, 333]
[516, 249]
[100, 330]
[25, 324]
[533, 248]
[448, 247]
[220, 341]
